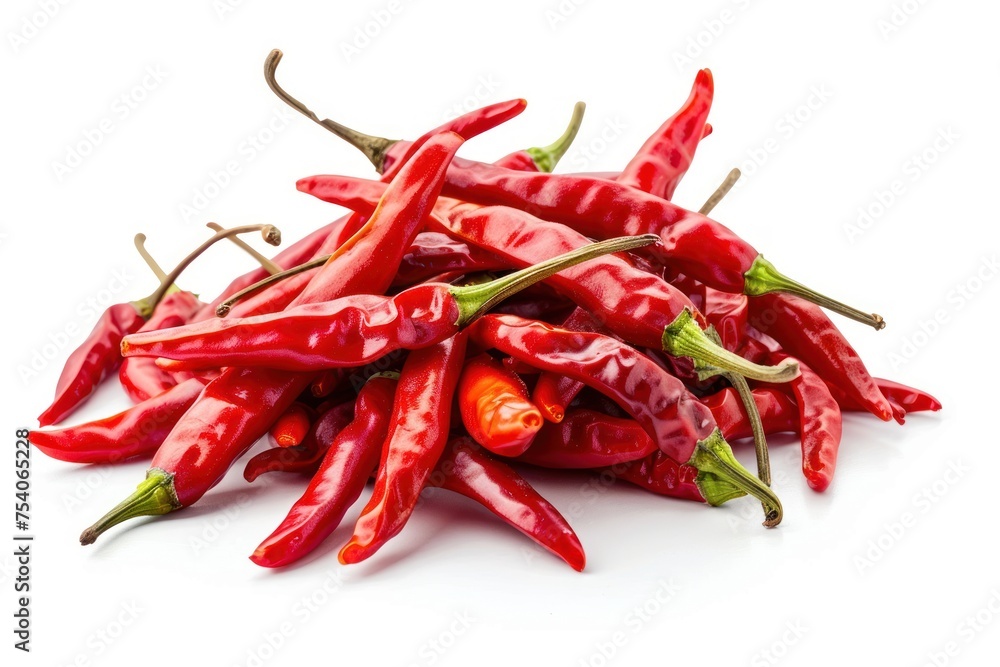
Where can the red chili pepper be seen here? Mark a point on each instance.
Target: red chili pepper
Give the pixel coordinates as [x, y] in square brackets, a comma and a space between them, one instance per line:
[806, 333]
[352, 456]
[95, 359]
[910, 398]
[238, 406]
[98, 356]
[466, 469]
[142, 379]
[305, 457]
[665, 157]
[291, 427]
[495, 407]
[418, 432]
[351, 331]
[820, 425]
[681, 426]
[137, 431]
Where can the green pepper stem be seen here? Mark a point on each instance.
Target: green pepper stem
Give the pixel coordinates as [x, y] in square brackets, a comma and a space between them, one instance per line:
[684, 338]
[714, 456]
[374, 148]
[140, 245]
[742, 388]
[720, 192]
[546, 157]
[223, 308]
[155, 495]
[762, 278]
[264, 262]
[270, 233]
[474, 300]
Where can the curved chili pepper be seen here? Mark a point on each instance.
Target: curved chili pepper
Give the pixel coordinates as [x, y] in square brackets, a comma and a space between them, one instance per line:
[351, 331]
[96, 358]
[680, 425]
[910, 398]
[665, 157]
[353, 454]
[291, 427]
[806, 333]
[142, 378]
[495, 407]
[418, 432]
[305, 457]
[466, 469]
[137, 431]
[820, 426]
[239, 405]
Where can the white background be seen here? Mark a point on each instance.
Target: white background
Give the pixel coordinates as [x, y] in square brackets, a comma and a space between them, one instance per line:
[839, 582]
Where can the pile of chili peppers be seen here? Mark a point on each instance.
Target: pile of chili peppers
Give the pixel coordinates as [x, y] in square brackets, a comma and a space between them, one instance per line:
[461, 324]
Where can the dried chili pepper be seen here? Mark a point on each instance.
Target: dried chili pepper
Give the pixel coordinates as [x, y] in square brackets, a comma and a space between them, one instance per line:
[665, 157]
[351, 457]
[136, 431]
[98, 356]
[495, 407]
[354, 330]
[682, 427]
[418, 432]
[238, 406]
[806, 333]
[820, 426]
[554, 392]
[466, 469]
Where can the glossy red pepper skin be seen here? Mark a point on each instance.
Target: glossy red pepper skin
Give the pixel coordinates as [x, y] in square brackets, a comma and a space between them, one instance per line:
[495, 407]
[306, 456]
[434, 253]
[466, 469]
[660, 474]
[674, 418]
[603, 209]
[95, 359]
[910, 398]
[805, 332]
[553, 392]
[820, 425]
[467, 126]
[588, 439]
[347, 332]
[418, 433]
[137, 431]
[352, 456]
[141, 378]
[665, 157]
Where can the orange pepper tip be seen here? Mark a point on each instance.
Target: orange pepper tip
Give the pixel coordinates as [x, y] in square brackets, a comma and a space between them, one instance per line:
[353, 552]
